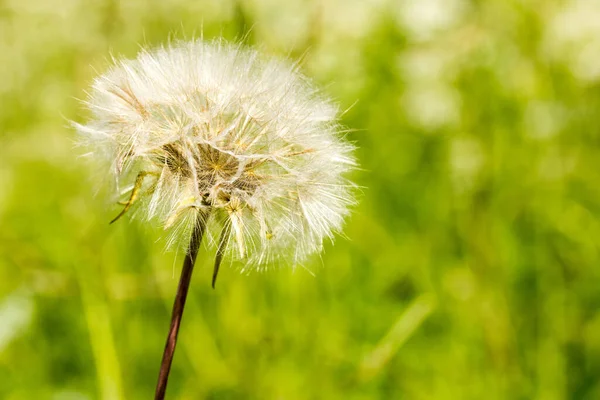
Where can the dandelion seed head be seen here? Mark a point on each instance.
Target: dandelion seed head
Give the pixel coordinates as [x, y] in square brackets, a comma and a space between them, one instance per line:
[218, 128]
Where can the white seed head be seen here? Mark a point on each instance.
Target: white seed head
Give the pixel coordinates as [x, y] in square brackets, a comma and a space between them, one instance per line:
[217, 128]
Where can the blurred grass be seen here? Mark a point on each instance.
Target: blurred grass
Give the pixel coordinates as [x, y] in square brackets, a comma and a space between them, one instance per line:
[471, 268]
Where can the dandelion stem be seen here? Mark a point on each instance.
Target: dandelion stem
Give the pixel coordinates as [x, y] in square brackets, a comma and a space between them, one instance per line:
[179, 304]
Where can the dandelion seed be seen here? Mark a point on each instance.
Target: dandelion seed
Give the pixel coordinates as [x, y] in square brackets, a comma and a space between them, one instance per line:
[217, 139]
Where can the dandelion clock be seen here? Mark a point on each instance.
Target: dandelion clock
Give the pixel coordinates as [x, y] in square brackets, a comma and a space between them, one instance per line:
[213, 139]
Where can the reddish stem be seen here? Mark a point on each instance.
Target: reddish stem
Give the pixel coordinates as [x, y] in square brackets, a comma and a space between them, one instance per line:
[179, 304]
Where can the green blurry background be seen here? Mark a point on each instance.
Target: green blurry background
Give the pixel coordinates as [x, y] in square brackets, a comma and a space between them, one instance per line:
[470, 268]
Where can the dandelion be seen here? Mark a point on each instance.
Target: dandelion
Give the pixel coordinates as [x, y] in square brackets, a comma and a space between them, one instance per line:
[213, 138]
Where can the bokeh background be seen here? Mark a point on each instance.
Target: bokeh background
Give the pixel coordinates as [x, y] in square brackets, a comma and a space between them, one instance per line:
[470, 269]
